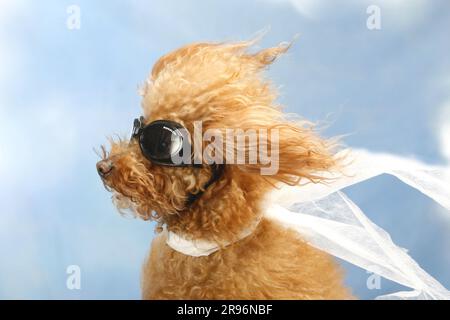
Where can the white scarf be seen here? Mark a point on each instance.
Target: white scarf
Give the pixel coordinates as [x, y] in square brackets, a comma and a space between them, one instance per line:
[326, 218]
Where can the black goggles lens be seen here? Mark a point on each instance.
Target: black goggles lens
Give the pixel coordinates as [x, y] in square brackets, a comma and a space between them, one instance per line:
[161, 141]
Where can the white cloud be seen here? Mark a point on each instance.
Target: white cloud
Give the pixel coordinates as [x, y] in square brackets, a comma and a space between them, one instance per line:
[398, 13]
[8, 8]
[307, 8]
[404, 13]
[444, 131]
[9, 60]
[9, 53]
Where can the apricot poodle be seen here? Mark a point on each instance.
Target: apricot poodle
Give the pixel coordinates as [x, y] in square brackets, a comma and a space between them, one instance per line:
[223, 85]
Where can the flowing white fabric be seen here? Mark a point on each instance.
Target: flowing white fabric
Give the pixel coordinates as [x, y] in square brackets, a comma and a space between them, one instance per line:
[330, 221]
[326, 218]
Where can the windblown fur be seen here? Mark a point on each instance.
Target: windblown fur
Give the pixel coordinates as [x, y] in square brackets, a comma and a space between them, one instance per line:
[223, 85]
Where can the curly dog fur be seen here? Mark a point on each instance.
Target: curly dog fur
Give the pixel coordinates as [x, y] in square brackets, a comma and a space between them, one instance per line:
[223, 85]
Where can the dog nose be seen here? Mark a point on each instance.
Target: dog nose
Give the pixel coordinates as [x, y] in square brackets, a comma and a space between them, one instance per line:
[104, 167]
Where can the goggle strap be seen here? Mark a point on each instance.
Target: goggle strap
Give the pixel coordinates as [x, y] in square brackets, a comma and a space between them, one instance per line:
[217, 171]
[137, 126]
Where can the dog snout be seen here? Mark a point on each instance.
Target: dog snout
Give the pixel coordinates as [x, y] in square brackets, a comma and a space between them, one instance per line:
[104, 168]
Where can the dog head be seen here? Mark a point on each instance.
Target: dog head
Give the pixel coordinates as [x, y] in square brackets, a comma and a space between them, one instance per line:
[222, 87]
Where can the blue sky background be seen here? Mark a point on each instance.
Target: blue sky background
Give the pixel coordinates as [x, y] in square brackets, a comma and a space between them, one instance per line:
[63, 91]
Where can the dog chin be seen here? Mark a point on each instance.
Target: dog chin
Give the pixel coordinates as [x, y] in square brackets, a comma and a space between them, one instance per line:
[124, 204]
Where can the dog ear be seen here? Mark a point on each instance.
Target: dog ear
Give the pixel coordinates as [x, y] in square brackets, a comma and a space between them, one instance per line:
[289, 152]
[292, 150]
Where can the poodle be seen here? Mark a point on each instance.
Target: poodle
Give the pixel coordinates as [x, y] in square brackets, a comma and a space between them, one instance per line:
[223, 86]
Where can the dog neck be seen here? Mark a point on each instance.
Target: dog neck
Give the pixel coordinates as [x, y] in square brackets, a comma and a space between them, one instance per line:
[223, 214]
